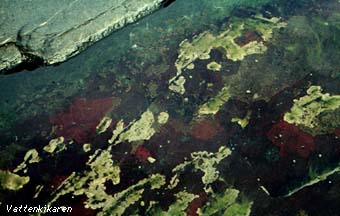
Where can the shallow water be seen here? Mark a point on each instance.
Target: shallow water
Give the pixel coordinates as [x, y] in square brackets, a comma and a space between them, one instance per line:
[255, 102]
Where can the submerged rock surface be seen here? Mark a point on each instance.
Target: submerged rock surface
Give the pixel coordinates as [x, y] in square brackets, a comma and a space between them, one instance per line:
[52, 31]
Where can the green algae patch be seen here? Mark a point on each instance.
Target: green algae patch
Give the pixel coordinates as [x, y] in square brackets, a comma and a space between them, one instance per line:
[308, 111]
[31, 156]
[55, 144]
[213, 105]
[103, 125]
[226, 204]
[205, 162]
[214, 66]
[178, 208]
[12, 181]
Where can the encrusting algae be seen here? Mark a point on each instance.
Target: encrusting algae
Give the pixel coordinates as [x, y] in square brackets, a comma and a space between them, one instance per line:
[205, 162]
[201, 45]
[12, 181]
[308, 110]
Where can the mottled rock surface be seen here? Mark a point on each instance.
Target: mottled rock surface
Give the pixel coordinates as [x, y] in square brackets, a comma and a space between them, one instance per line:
[56, 30]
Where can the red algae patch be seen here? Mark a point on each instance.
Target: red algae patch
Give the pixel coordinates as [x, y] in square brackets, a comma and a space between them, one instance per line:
[205, 129]
[142, 154]
[80, 120]
[290, 139]
[196, 204]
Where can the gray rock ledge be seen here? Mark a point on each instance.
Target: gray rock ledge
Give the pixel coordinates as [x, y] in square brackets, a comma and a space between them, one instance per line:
[54, 31]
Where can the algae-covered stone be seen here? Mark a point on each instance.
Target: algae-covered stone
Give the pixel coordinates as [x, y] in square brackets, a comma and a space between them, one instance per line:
[11, 181]
[307, 111]
[214, 104]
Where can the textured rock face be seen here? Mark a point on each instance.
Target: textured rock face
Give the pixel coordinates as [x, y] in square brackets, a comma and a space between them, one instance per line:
[56, 30]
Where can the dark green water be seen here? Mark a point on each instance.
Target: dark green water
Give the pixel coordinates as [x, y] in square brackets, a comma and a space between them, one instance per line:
[278, 166]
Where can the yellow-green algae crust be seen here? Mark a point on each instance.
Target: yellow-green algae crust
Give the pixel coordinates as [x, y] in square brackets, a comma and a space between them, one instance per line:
[103, 125]
[226, 204]
[31, 156]
[12, 181]
[205, 162]
[117, 204]
[308, 110]
[201, 45]
[178, 85]
[243, 122]
[183, 199]
[214, 66]
[92, 184]
[213, 105]
[55, 144]
[142, 129]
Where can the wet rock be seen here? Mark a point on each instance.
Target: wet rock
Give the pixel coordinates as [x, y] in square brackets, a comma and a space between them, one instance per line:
[56, 30]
